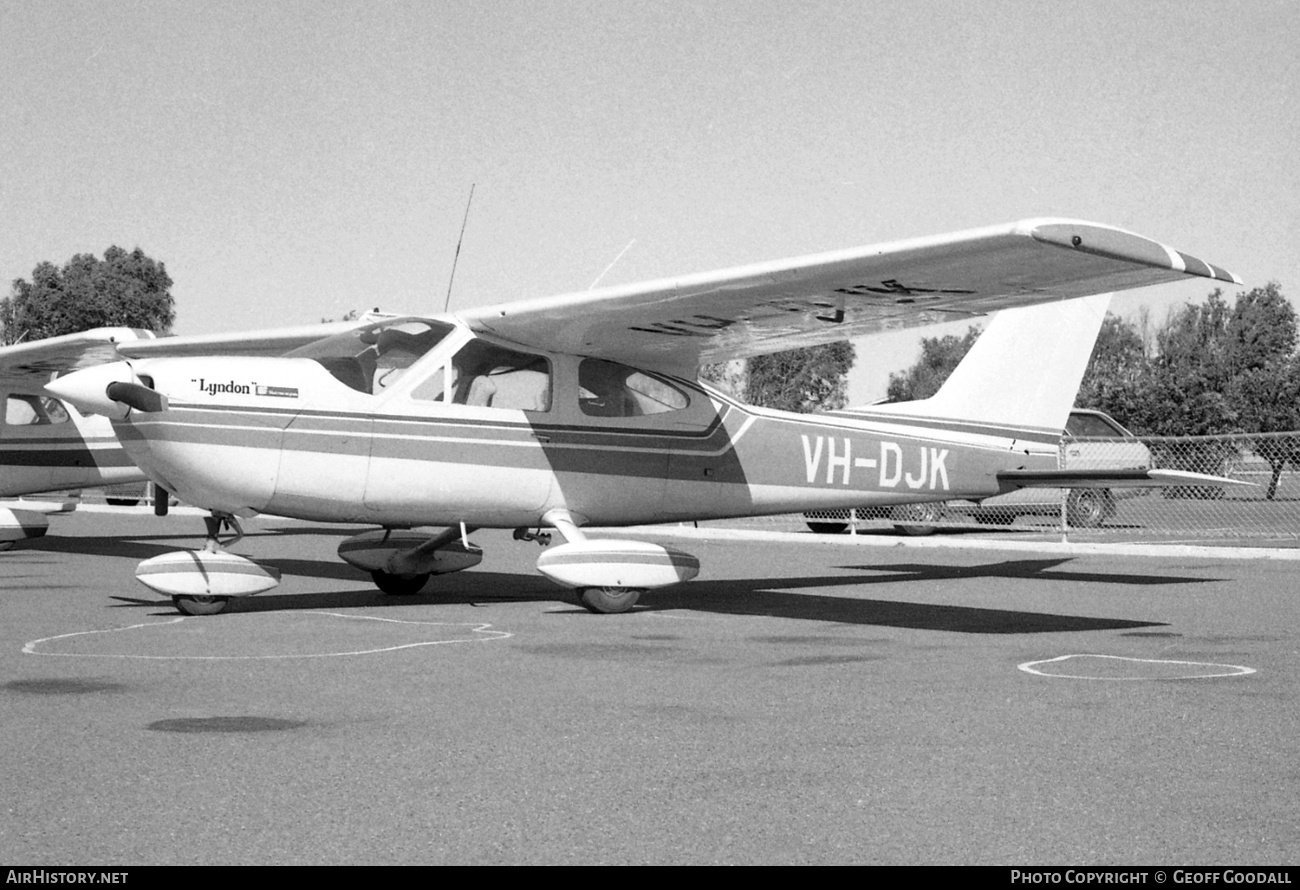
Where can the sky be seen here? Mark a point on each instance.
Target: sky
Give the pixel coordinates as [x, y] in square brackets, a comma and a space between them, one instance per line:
[291, 161]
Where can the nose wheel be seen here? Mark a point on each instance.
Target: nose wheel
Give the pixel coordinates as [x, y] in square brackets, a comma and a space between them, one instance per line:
[399, 585]
[201, 605]
[609, 600]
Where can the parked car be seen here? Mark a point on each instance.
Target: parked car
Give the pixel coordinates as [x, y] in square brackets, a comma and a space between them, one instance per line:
[1093, 440]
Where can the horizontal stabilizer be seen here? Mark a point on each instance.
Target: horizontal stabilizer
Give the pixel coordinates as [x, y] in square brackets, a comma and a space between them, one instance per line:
[1010, 480]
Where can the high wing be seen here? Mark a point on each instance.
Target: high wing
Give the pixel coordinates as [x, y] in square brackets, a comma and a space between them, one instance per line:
[272, 342]
[39, 359]
[675, 324]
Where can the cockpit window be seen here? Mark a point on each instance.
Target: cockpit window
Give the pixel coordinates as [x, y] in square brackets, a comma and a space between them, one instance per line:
[24, 410]
[370, 359]
[489, 376]
[608, 389]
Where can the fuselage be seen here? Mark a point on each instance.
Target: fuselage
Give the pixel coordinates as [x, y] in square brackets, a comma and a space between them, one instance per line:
[477, 431]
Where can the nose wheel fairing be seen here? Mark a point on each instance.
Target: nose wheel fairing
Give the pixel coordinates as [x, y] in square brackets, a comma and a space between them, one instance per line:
[202, 582]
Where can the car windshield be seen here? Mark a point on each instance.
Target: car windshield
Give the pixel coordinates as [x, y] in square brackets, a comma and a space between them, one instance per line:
[1093, 426]
[374, 357]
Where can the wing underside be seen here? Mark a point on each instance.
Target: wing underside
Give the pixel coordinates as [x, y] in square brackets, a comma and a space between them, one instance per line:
[37, 360]
[677, 324]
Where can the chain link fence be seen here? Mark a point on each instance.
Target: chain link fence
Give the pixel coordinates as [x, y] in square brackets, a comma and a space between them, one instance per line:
[1267, 507]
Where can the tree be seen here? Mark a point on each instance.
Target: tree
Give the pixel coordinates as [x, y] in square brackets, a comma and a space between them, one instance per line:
[1116, 372]
[1219, 369]
[1269, 400]
[1261, 329]
[939, 356]
[127, 289]
[1264, 381]
[729, 377]
[803, 380]
[1190, 372]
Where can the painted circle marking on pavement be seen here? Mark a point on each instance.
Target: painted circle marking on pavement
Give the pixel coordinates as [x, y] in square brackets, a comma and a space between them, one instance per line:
[1207, 669]
[479, 633]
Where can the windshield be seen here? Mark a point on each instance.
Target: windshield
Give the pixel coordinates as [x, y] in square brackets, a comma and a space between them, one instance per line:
[374, 357]
[1094, 426]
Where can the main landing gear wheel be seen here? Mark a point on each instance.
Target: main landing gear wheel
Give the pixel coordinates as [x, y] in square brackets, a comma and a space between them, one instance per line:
[609, 600]
[399, 585]
[919, 518]
[201, 605]
[1087, 508]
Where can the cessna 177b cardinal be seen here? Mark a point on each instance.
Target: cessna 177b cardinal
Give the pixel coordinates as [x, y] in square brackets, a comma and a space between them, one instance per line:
[583, 409]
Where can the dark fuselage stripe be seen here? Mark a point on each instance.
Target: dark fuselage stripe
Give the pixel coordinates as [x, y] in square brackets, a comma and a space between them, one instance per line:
[63, 457]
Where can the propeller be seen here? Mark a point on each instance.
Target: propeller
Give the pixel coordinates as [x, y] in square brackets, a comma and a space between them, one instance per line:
[138, 396]
[111, 389]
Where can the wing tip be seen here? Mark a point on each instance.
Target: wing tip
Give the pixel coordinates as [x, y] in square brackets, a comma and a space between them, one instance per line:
[1195, 266]
[1120, 244]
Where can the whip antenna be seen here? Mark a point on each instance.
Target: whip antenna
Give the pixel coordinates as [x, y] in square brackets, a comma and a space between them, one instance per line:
[611, 265]
[447, 303]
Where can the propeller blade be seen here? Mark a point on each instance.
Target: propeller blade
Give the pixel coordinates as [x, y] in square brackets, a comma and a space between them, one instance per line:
[138, 396]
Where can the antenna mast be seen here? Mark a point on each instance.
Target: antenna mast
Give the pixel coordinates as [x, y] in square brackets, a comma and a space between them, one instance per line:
[447, 303]
[611, 265]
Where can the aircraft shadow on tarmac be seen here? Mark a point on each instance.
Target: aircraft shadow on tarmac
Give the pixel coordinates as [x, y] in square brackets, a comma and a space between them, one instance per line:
[749, 597]
[466, 588]
[144, 546]
[770, 597]
[774, 597]
[1042, 569]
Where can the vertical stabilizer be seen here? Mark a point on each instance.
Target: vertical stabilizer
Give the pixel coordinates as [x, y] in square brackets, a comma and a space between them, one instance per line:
[1023, 371]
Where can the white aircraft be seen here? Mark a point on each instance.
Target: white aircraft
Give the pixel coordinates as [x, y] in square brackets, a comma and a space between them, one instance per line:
[48, 445]
[583, 410]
